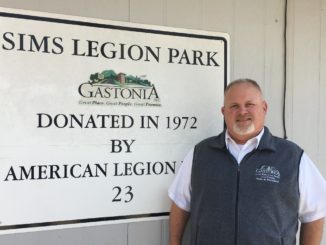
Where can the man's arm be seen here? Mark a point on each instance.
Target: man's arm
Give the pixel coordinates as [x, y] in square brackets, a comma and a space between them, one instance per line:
[178, 221]
[311, 233]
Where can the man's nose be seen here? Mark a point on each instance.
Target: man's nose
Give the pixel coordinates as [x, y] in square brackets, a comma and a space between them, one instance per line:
[242, 110]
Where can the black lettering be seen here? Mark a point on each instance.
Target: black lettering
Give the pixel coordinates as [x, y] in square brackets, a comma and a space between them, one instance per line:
[72, 171]
[128, 167]
[61, 123]
[184, 56]
[41, 123]
[210, 58]
[197, 57]
[57, 44]
[132, 54]
[54, 169]
[116, 168]
[104, 170]
[80, 90]
[21, 42]
[173, 53]
[88, 171]
[26, 175]
[76, 41]
[156, 55]
[153, 93]
[91, 122]
[35, 46]
[127, 121]
[149, 121]
[11, 174]
[7, 37]
[92, 47]
[42, 172]
[79, 120]
[122, 51]
[111, 52]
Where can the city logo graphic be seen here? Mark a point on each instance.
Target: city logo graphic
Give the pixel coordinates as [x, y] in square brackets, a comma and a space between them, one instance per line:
[118, 89]
[268, 173]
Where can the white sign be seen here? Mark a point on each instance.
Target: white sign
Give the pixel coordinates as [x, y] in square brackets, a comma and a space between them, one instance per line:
[96, 116]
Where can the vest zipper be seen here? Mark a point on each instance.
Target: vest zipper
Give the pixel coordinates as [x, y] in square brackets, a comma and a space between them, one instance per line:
[237, 207]
[236, 218]
[237, 195]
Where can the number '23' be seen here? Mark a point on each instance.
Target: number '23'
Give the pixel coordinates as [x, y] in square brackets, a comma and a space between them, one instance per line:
[123, 193]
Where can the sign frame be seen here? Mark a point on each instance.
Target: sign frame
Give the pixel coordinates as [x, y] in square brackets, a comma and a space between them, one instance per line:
[124, 27]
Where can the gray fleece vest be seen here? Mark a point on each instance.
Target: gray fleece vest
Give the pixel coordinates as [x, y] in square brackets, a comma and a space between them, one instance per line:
[254, 203]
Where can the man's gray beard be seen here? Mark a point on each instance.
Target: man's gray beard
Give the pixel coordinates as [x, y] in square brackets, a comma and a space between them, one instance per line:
[244, 131]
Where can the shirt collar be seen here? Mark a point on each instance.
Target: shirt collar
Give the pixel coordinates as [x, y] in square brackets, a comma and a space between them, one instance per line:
[255, 140]
[265, 140]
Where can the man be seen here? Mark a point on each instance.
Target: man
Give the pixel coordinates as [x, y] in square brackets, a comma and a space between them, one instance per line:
[246, 186]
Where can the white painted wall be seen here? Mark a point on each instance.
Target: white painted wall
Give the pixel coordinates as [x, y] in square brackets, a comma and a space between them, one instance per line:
[256, 28]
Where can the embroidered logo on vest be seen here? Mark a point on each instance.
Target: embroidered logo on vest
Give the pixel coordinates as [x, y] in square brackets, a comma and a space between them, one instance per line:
[268, 173]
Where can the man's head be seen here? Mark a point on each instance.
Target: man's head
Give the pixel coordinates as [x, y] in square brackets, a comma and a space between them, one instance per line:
[244, 109]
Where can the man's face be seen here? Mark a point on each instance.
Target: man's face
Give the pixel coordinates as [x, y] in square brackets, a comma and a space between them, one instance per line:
[244, 112]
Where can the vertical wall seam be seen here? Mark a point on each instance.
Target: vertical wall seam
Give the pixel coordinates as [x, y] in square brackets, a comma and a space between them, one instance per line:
[285, 68]
[163, 233]
[164, 5]
[232, 35]
[265, 37]
[201, 3]
[127, 229]
[319, 76]
[289, 72]
[129, 10]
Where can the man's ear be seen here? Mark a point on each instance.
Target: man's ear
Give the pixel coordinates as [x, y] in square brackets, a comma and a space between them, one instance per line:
[222, 110]
[265, 106]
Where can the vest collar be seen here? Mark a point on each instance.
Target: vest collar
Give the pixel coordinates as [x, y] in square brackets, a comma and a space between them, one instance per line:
[266, 141]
